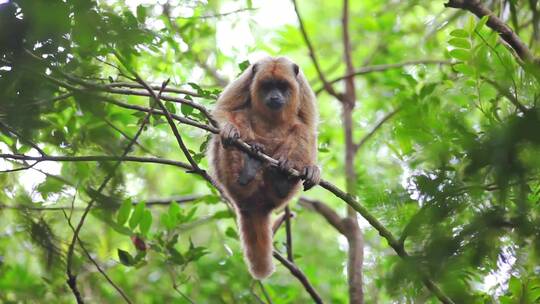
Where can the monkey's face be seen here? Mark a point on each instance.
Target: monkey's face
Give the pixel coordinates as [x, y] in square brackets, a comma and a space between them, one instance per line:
[274, 93]
[275, 87]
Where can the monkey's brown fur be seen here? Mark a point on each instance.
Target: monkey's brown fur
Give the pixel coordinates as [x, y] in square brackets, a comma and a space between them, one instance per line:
[288, 135]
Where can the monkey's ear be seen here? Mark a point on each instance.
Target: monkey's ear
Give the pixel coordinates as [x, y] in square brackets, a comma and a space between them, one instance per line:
[296, 68]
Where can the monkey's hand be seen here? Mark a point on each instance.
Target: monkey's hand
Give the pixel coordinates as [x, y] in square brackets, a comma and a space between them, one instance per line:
[284, 164]
[311, 176]
[228, 134]
[256, 147]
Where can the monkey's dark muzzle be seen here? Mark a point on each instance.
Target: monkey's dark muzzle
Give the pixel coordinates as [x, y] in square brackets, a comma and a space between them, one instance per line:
[275, 103]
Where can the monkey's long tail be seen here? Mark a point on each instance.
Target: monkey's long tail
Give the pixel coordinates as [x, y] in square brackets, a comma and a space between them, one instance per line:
[256, 235]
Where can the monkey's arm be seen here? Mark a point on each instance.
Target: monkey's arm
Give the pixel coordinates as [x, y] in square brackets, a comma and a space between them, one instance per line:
[232, 123]
[299, 151]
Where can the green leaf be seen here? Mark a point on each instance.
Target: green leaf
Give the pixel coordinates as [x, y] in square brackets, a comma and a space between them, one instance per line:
[125, 258]
[460, 43]
[244, 65]
[195, 86]
[174, 211]
[222, 214]
[460, 54]
[481, 23]
[427, 89]
[514, 286]
[166, 221]
[176, 257]
[464, 69]
[186, 110]
[230, 232]
[141, 13]
[124, 211]
[50, 185]
[146, 222]
[136, 216]
[459, 33]
[170, 107]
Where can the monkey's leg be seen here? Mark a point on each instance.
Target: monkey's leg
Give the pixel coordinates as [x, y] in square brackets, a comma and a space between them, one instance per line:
[281, 182]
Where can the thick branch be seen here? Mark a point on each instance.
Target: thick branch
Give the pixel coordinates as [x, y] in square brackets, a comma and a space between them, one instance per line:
[355, 258]
[476, 7]
[328, 213]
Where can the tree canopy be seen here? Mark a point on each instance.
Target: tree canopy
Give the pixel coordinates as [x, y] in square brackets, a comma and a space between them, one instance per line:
[429, 146]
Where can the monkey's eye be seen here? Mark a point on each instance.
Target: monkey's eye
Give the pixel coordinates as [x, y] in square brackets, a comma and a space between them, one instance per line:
[282, 85]
[269, 85]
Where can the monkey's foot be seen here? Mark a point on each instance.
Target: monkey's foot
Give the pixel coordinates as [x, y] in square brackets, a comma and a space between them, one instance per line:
[229, 133]
[311, 176]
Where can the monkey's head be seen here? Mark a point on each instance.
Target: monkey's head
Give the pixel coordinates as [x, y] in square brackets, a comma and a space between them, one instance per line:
[274, 89]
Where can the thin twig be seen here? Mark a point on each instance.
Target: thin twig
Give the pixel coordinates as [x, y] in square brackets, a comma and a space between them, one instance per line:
[289, 234]
[22, 138]
[98, 158]
[295, 271]
[375, 128]
[220, 15]
[384, 67]
[326, 85]
[103, 273]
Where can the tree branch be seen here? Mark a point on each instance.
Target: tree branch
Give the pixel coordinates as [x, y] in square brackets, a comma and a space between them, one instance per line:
[326, 85]
[21, 138]
[295, 271]
[72, 279]
[103, 273]
[329, 215]
[384, 67]
[288, 234]
[476, 7]
[377, 127]
[98, 158]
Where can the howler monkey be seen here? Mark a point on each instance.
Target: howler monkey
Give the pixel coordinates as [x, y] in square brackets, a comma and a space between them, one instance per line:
[272, 108]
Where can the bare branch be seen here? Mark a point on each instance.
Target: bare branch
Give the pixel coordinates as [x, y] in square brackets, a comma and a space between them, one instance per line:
[377, 127]
[103, 273]
[289, 234]
[98, 158]
[476, 7]
[21, 138]
[329, 215]
[220, 15]
[385, 67]
[326, 85]
[280, 220]
[295, 271]
[168, 89]
[169, 200]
